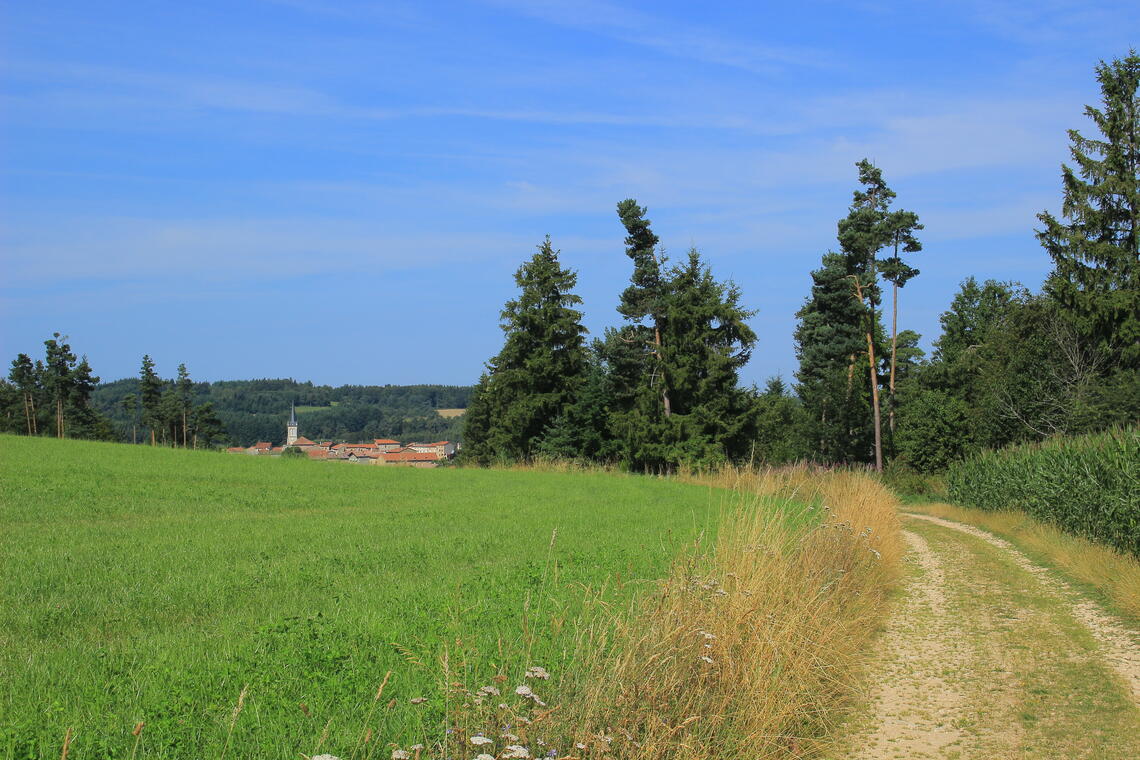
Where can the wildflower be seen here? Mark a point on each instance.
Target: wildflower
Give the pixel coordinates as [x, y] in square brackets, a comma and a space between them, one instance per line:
[541, 742]
[524, 691]
[579, 745]
[484, 756]
[877, 554]
[490, 690]
[516, 751]
[418, 700]
[479, 741]
[708, 635]
[509, 737]
[524, 719]
[503, 706]
[325, 757]
[416, 747]
[708, 646]
[534, 671]
[552, 753]
[707, 659]
[401, 754]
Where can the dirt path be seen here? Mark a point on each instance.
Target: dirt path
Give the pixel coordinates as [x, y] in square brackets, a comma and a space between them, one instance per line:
[988, 655]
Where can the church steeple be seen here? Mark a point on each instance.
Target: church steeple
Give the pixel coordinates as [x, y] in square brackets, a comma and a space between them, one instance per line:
[291, 428]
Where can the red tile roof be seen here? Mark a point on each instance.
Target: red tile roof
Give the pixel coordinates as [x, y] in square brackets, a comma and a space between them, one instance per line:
[317, 453]
[409, 456]
[303, 441]
[384, 440]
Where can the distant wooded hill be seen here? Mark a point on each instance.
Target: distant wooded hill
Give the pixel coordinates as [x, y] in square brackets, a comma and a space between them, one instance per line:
[256, 410]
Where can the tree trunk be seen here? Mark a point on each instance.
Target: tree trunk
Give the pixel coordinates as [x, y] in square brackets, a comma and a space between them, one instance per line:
[874, 381]
[661, 362]
[183, 428]
[59, 417]
[134, 433]
[29, 413]
[152, 442]
[894, 349]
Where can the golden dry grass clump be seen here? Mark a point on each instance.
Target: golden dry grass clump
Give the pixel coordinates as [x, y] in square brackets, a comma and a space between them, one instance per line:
[751, 648]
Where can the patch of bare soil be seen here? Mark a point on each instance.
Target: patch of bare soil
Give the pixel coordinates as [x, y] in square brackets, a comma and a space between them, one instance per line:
[987, 655]
[1119, 646]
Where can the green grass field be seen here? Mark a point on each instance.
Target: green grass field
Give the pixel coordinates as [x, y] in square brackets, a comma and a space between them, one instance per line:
[152, 585]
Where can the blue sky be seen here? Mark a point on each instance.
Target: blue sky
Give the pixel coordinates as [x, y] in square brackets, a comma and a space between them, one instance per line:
[341, 191]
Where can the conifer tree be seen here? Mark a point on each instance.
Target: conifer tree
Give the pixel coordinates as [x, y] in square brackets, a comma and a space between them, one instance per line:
[828, 339]
[541, 366]
[23, 375]
[1096, 254]
[150, 396]
[184, 387]
[58, 365]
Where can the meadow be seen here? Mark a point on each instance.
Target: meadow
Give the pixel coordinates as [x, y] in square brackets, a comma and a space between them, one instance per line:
[156, 586]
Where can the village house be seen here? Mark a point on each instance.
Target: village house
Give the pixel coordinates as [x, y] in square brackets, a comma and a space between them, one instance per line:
[381, 451]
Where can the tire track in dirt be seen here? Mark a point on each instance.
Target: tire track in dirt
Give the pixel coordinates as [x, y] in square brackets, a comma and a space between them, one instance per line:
[916, 710]
[1119, 646]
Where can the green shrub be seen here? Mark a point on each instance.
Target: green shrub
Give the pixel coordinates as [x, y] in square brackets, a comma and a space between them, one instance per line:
[1087, 485]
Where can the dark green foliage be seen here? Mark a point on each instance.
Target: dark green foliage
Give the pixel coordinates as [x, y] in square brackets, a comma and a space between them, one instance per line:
[540, 368]
[1096, 254]
[1087, 485]
[52, 396]
[676, 393]
[935, 430]
[780, 425]
[831, 383]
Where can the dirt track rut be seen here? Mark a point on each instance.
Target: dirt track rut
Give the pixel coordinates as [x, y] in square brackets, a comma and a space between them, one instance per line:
[988, 655]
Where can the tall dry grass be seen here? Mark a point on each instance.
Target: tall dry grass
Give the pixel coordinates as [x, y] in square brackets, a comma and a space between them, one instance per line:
[751, 647]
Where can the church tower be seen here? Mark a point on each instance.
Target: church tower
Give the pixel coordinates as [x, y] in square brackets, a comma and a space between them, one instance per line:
[291, 428]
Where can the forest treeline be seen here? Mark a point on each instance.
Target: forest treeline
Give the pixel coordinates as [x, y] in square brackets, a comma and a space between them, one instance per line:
[60, 396]
[660, 389]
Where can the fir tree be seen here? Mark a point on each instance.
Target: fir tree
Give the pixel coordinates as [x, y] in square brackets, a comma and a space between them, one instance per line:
[829, 339]
[57, 378]
[536, 375]
[150, 396]
[23, 375]
[1096, 255]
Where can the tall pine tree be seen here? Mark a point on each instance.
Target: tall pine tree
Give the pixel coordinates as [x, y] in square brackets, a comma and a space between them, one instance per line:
[1096, 254]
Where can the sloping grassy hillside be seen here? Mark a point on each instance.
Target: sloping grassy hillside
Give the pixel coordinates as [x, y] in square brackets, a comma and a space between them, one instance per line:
[153, 585]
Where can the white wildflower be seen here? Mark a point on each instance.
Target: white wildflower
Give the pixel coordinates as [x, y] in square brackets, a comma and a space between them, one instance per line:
[401, 754]
[523, 691]
[509, 737]
[502, 705]
[418, 700]
[579, 745]
[479, 741]
[707, 659]
[534, 671]
[516, 751]
[416, 747]
[491, 690]
[484, 756]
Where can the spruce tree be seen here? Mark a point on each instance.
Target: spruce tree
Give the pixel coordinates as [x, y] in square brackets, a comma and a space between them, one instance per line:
[828, 340]
[1096, 254]
[542, 364]
[23, 375]
[150, 396]
[58, 365]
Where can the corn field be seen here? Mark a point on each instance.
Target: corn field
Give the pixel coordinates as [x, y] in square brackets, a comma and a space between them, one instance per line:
[1087, 485]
